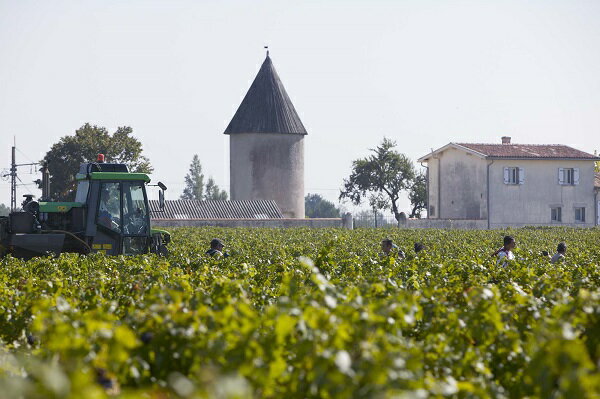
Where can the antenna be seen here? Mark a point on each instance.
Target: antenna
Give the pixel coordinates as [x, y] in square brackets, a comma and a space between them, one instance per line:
[267, 48]
[13, 178]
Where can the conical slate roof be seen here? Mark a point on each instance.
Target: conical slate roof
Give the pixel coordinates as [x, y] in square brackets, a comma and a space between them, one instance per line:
[266, 108]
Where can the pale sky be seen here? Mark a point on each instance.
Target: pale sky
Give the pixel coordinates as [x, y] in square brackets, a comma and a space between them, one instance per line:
[424, 73]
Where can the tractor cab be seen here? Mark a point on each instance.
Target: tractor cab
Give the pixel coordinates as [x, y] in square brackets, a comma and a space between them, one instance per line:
[117, 220]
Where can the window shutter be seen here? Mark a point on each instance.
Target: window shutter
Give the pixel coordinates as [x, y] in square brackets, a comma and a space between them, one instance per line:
[575, 175]
[521, 175]
[561, 175]
[560, 214]
[506, 176]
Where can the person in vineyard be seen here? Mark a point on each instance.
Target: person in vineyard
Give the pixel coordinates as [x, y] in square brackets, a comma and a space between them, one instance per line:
[419, 247]
[505, 254]
[561, 251]
[390, 249]
[216, 248]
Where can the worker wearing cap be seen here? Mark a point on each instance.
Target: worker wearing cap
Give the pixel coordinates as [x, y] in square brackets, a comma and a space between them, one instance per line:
[216, 248]
[390, 249]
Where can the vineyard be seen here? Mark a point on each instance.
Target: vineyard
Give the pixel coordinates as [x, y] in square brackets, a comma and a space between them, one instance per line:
[305, 313]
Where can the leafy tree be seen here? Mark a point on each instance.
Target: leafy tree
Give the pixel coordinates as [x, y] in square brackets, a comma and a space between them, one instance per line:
[4, 210]
[597, 164]
[379, 202]
[195, 189]
[213, 192]
[385, 172]
[318, 207]
[418, 195]
[65, 156]
[194, 181]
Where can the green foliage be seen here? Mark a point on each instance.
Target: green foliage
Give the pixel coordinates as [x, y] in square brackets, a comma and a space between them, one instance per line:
[385, 172]
[194, 181]
[418, 195]
[306, 313]
[65, 156]
[213, 192]
[4, 210]
[317, 207]
[195, 189]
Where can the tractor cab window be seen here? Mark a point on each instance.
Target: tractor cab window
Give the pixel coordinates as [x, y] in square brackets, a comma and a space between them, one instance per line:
[109, 212]
[82, 191]
[135, 213]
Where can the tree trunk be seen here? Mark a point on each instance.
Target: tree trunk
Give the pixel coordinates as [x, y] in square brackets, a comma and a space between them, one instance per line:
[413, 213]
[395, 210]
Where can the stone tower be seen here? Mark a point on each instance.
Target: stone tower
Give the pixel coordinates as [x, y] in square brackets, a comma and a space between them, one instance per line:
[266, 146]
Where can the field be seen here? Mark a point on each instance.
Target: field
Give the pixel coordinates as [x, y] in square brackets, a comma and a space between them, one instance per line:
[308, 313]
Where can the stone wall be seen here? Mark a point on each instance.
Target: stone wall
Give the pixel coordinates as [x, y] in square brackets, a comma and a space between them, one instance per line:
[269, 166]
[464, 224]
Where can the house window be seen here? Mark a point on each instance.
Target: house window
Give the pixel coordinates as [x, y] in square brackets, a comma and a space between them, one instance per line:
[580, 214]
[555, 214]
[514, 175]
[568, 176]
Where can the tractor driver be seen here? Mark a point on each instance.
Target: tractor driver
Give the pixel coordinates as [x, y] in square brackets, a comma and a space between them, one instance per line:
[105, 216]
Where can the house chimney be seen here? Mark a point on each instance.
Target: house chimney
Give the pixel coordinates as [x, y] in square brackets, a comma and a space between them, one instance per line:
[505, 139]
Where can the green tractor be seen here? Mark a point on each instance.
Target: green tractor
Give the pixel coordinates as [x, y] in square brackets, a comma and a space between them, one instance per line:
[110, 215]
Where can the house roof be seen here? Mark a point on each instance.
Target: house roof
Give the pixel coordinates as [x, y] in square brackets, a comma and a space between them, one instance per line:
[266, 108]
[518, 151]
[194, 209]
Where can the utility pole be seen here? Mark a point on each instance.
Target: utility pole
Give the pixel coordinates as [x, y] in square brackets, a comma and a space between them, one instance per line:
[13, 180]
[14, 177]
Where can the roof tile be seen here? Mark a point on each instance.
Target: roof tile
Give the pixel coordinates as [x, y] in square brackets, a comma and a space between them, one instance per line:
[552, 151]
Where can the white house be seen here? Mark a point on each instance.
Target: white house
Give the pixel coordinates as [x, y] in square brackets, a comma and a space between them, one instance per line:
[513, 184]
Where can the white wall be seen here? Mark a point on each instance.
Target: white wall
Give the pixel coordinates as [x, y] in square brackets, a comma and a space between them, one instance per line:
[432, 189]
[530, 202]
[269, 166]
[463, 192]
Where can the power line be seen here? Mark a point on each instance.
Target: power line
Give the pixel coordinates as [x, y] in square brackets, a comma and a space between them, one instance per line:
[29, 159]
[23, 184]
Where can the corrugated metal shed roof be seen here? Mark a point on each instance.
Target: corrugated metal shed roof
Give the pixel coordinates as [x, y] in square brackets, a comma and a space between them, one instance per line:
[193, 209]
[266, 108]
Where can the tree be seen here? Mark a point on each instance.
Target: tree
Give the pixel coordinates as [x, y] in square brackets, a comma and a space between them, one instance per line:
[65, 156]
[385, 172]
[596, 164]
[4, 210]
[195, 189]
[213, 192]
[194, 181]
[418, 195]
[318, 207]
